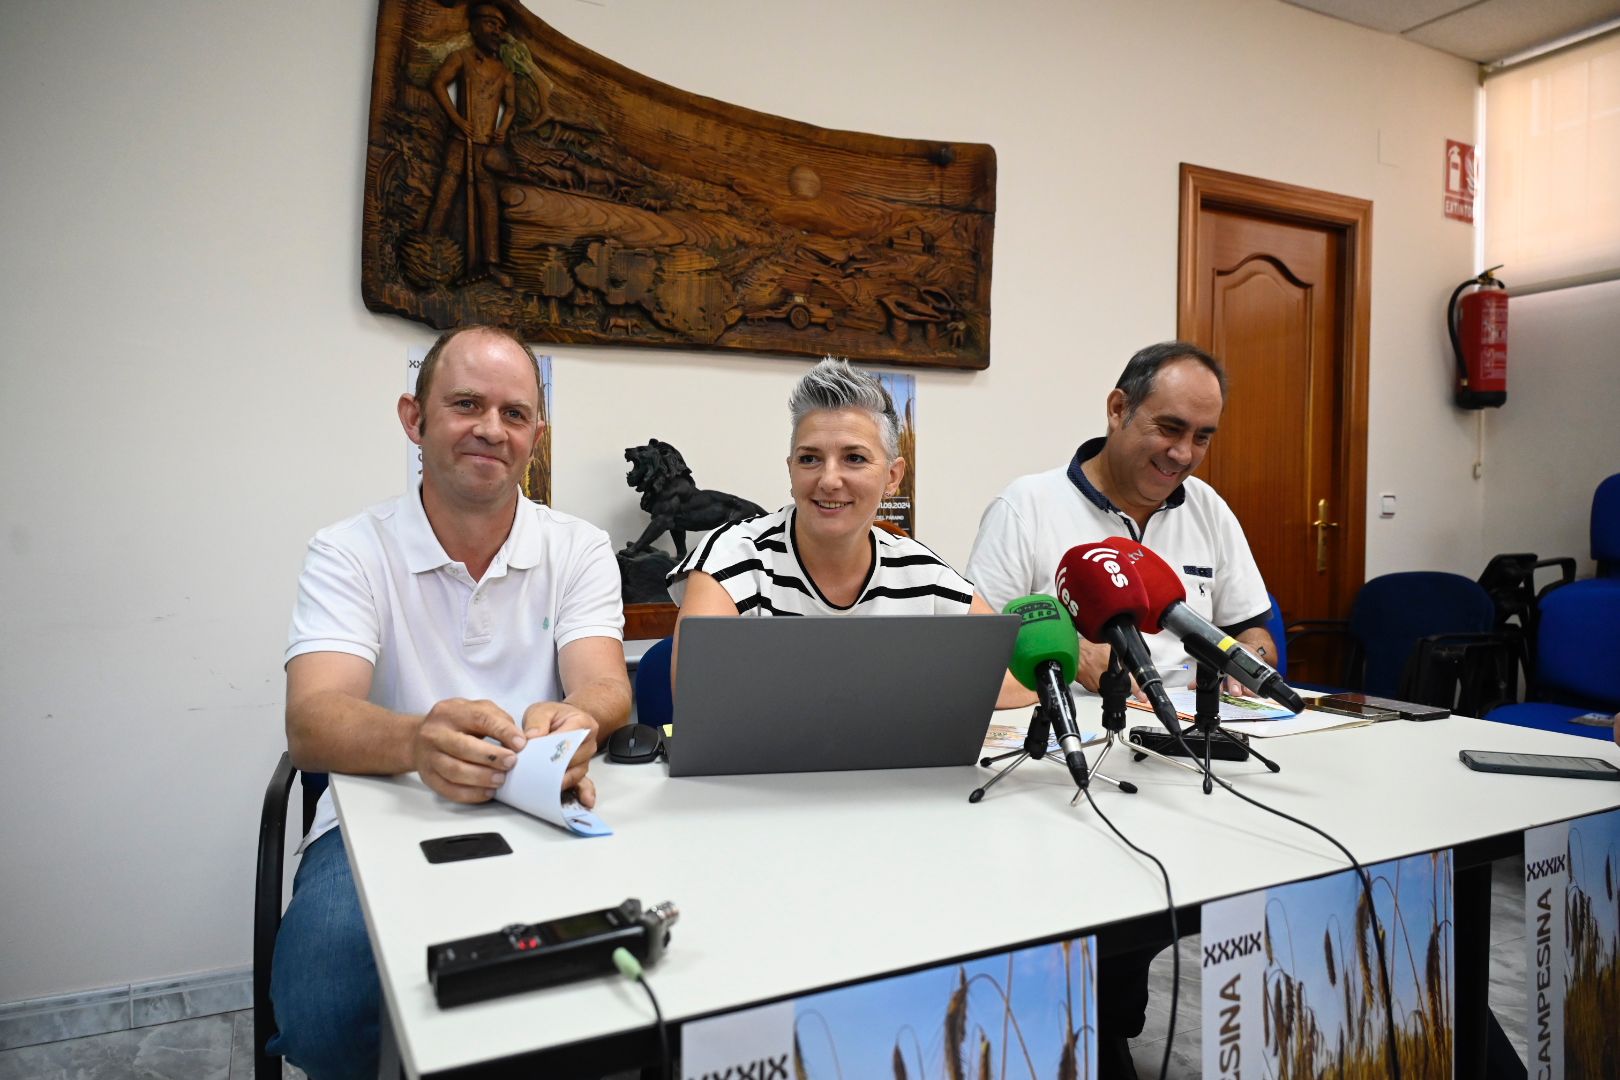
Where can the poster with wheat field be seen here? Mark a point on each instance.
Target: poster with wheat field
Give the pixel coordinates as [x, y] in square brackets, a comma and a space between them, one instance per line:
[900, 509]
[1024, 1014]
[1572, 942]
[536, 479]
[1291, 983]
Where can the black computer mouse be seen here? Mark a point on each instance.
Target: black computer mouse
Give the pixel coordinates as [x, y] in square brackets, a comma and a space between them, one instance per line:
[635, 744]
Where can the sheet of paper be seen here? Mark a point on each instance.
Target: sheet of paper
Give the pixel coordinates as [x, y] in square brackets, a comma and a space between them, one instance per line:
[1011, 737]
[1009, 726]
[1295, 725]
[535, 785]
[1232, 706]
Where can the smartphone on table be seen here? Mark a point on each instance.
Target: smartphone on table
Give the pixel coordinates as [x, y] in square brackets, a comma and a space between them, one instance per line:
[1406, 710]
[1578, 768]
[1340, 706]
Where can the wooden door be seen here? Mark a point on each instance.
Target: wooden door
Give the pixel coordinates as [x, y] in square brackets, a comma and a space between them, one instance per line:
[1274, 283]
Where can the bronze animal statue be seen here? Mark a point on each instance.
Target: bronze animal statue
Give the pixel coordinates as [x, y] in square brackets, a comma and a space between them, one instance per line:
[676, 504]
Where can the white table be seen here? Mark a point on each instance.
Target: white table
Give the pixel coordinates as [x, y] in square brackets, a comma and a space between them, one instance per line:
[791, 883]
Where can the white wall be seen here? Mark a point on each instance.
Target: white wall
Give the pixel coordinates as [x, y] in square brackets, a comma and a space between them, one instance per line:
[1559, 434]
[193, 386]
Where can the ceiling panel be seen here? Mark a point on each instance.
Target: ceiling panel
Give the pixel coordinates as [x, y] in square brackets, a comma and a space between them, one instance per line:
[1480, 30]
[1496, 29]
[1390, 16]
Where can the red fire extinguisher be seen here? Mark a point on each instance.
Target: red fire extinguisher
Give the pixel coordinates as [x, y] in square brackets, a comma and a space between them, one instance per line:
[1478, 325]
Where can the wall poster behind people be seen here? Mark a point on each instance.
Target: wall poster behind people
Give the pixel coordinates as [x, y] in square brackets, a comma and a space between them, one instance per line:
[1572, 947]
[514, 177]
[900, 509]
[1291, 983]
[536, 478]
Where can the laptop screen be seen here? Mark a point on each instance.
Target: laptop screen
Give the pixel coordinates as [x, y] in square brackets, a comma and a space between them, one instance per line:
[761, 695]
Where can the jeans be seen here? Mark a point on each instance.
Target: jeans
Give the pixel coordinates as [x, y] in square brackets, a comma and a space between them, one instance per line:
[323, 980]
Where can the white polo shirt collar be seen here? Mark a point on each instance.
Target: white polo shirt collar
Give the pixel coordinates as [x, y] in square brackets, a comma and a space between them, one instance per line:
[522, 550]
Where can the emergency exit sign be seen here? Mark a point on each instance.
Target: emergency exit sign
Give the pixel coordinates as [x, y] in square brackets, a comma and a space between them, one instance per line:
[1460, 177]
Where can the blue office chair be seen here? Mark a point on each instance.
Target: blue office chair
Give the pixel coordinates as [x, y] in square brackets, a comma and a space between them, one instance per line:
[1606, 527]
[1279, 635]
[267, 897]
[655, 700]
[1422, 636]
[1579, 650]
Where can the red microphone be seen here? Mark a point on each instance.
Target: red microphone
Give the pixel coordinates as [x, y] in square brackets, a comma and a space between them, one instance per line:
[1167, 610]
[1161, 584]
[1104, 595]
[1093, 584]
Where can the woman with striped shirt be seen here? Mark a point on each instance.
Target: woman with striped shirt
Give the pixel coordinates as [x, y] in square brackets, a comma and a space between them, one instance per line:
[823, 554]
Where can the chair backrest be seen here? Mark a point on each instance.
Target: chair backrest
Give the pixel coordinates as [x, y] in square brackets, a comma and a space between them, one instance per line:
[1279, 635]
[1579, 643]
[1393, 611]
[1606, 527]
[655, 701]
[1510, 581]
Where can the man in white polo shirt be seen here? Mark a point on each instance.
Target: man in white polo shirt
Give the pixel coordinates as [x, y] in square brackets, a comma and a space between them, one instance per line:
[423, 625]
[1136, 481]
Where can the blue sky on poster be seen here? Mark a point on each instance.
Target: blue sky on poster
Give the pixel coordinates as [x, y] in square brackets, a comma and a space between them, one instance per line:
[866, 1021]
[1303, 914]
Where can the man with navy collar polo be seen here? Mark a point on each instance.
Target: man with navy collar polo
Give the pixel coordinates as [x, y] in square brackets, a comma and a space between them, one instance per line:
[1136, 481]
[425, 627]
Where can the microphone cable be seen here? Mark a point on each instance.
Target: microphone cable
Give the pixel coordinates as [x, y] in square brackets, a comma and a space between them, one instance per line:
[1175, 935]
[1366, 888]
[631, 969]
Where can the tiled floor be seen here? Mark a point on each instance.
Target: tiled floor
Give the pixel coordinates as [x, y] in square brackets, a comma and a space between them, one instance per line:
[221, 1047]
[218, 1047]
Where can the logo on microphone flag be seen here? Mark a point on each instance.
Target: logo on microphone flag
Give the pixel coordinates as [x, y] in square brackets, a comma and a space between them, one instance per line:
[1572, 946]
[1108, 559]
[1291, 981]
[1035, 609]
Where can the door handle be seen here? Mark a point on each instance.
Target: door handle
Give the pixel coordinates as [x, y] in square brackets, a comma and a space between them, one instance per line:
[1322, 525]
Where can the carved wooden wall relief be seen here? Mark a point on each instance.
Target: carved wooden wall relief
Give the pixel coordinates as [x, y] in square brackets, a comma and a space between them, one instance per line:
[515, 177]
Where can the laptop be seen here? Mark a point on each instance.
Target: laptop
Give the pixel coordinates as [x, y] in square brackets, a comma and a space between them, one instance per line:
[827, 694]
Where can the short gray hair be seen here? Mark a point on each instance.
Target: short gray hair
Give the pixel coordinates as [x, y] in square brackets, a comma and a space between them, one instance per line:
[833, 384]
[1142, 372]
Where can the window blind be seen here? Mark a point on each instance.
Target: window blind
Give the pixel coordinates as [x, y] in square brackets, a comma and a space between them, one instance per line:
[1552, 167]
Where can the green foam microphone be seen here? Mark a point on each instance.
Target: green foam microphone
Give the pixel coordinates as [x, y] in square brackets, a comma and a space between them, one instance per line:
[1045, 658]
[1046, 635]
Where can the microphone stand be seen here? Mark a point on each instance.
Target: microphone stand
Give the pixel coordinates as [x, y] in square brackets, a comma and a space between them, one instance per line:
[1036, 744]
[1115, 688]
[1207, 721]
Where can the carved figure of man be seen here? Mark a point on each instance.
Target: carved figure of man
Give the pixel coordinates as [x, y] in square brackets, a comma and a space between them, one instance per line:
[487, 91]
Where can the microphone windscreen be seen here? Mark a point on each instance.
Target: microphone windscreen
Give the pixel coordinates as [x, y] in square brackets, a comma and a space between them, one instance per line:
[1044, 633]
[1159, 580]
[1096, 586]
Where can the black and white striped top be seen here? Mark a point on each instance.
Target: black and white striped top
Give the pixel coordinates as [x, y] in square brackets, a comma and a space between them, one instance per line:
[756, 562]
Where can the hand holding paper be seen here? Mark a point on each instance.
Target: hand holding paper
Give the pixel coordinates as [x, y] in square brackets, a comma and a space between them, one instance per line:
[535, 784]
